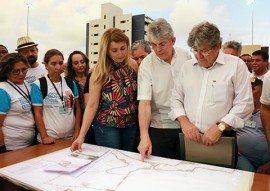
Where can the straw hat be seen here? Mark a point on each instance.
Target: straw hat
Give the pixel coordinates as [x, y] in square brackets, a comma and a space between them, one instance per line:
[24, 42]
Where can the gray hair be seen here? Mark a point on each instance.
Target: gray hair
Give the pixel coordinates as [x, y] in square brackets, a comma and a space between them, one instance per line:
[159, 29]
[233, 45]
[204, 33]
[141, 44]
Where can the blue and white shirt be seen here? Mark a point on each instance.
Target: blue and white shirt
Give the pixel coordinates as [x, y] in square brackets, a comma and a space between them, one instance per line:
[18, 125]
[58, 116]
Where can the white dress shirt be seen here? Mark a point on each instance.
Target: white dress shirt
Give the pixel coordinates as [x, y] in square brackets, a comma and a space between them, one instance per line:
[156, 81]
[220, 93]
[265, 97]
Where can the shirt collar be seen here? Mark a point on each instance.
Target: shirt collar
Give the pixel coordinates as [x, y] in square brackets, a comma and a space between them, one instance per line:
[220, 60]
[173, 57]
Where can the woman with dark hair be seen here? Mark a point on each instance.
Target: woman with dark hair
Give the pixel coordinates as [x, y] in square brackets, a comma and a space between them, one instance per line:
[17, 126]
[57, 113]
[77, 70]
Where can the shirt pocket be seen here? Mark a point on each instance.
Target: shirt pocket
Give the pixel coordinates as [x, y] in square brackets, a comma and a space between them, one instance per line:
[219, 92]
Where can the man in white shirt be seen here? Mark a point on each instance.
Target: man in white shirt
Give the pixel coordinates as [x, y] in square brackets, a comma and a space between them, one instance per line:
[265, 113]
[259, 64]
[156, 77]
[212, 93]
[28, 49]
[232, 47]
[265, 107]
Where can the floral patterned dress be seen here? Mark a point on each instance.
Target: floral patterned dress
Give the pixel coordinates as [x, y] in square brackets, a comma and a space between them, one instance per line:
[118, 103]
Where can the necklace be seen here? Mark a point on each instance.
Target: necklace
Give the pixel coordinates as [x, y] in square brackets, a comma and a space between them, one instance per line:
[20, 91]
[60, 96]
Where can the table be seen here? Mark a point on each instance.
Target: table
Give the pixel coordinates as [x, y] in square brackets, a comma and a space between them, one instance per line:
[261, 182]
[20, 155]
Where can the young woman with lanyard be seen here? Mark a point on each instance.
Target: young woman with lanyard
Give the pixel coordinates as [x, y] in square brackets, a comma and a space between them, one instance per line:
[58, 114]
[17, 125]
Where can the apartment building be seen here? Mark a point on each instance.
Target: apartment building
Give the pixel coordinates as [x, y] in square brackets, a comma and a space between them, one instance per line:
[135, 28]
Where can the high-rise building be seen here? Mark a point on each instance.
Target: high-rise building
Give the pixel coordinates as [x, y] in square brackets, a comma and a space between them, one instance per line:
[135, 28]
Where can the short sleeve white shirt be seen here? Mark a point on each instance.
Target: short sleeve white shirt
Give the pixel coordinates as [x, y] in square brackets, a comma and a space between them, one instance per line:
[265, 97]
[58, 116]
[155, 83]
[35, 73]
[18, 126]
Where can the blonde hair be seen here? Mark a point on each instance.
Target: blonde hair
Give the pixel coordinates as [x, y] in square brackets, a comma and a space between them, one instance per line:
[104, 64]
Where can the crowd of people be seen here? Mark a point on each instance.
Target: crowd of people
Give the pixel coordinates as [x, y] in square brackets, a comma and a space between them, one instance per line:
[140, 97]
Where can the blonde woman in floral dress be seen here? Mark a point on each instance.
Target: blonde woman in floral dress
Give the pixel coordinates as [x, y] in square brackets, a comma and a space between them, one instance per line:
[112, 106]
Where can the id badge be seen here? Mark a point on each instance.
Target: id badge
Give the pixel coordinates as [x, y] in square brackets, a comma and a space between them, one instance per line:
[250, 124]
[63, 110]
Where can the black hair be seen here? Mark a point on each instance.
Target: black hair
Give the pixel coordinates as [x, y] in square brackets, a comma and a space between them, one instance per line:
[7, 64]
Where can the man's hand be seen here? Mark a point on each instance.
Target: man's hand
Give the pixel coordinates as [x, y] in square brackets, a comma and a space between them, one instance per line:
[212, 135]
[190, 131]
[48, 140]
[145, 148]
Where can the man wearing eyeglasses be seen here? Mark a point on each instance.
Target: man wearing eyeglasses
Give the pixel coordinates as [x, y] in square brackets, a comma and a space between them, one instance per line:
[213, 92]
[156, 77]
[28, 49]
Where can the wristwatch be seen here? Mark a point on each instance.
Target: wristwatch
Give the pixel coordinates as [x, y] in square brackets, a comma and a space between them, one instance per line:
[221, 126]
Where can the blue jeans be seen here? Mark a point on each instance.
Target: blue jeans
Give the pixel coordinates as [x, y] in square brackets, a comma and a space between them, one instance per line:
[244, 164]
[118, 138]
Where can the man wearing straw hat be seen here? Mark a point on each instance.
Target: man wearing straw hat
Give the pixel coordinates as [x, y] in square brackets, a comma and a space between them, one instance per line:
[28, 49]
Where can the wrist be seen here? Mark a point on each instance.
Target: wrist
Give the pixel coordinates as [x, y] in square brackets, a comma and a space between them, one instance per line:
[221, 126]
[144, 136]
[43, 136]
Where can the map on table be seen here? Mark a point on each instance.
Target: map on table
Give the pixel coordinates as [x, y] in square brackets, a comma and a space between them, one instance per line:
[110, 169]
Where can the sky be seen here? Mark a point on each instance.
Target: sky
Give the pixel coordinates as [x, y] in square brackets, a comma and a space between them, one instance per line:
[62, 24]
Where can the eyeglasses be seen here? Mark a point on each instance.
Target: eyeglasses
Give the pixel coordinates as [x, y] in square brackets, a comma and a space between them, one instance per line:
[18, 71]
[202, 52]
[161, 45]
